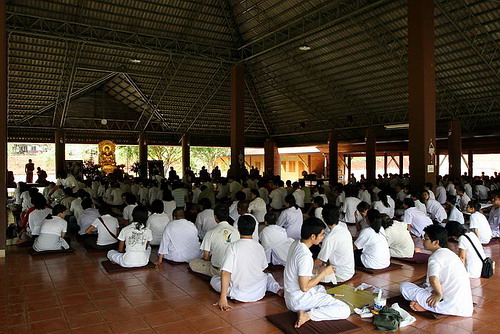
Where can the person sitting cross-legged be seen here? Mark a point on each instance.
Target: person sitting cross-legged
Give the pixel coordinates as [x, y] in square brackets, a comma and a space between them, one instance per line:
[242, 273]
[447, 290]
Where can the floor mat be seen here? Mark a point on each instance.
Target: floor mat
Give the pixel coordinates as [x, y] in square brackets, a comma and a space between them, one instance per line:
[286, 322]
[58, 251]
[417, 258]
[111, 267]
[392, 266]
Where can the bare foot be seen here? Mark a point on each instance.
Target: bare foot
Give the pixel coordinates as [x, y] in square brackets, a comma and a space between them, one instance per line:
[281, 293]
[303, 318]
[416, 307]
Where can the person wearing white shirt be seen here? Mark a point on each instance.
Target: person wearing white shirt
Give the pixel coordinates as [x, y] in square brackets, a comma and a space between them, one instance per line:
[453, 213]
[157, 222]
[434, 208]
[234, 187]
[233, 209]
[481, 191]
[283, 191]
[494, 218]
[180, 241]
[291, 218]
[385, 204]
[275, 241]
[26, 198]
[462, 198]
[401, 194]
[398, 238]
[257, 206]
[468, 188]
[205, 221]
[52, 231]
[316, 208]
[440, 194]
[371, 247]
[180, 194]
[478, 222]
[169, 204]
[263, 192]
[106, 228]
[302, 292]
[336, 249]
[196, 192]
[87, 217]
[276, 198]
[115, 196]
[131, 201]
[364, 195]
[466, 252]
[154, 192]
[143, 195]
[349, 206]
[428, 186]
[37, 216]
[133, 248]
[222, 190]
[242, 274]
[215, 243]
[447, 289]
[416, 197]
[415, 218]
[299, 195]
[243, 210]
[450, 188]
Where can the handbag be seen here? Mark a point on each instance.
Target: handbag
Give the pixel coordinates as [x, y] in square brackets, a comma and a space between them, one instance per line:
[488, 264]
[111, 233]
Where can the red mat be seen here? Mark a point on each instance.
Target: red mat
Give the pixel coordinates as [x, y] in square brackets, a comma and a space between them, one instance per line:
[417, 258]
[286, 322]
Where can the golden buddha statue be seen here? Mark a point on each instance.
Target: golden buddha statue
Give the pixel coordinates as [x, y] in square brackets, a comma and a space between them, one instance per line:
[107, 156]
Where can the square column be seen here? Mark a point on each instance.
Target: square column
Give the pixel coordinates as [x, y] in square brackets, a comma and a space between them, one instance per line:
[421, 92]
[455, 148]
[371, 154]
[470, 161]
[60, 147]
[143, 155]
[186, 158]
[333, 153]
[237, 121]
[272, 160]
[3, 126]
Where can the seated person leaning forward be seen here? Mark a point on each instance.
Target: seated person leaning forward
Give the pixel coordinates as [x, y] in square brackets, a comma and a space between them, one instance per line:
[275, 241]
[242, 273]
[302, 292]
[447, 290]
[133, 249]
[215, 243]
[106, 228]
[52, 232]
[371, 248]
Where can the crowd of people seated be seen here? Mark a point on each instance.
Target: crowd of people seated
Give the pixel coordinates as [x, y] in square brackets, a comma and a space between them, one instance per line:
[232, 229]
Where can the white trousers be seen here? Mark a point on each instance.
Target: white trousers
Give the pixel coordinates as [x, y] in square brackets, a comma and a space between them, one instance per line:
[320, 305]
[117, 257]
[248, 296]
[414, 293]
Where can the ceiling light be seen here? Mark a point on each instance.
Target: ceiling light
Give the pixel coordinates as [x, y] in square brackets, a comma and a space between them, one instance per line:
[397, 126]
[304, 47]
[135, 60]
[104, 121]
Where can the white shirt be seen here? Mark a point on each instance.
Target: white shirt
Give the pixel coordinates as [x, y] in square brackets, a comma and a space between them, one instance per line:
[299, 195]
[179, 195]
[337, 249]
[103, 236]
[450, 189]
[276, 244]
[455, 284]
[135, 245]
[291, 220]
[441, 194]
[143, 195]
[364, 196]
[481, 191]
[87, 217]
[468, 189]
[376, 253]
[36, 218]
[463, 201]
[456, 215]
[473, 264]
[435, 210]
[378, 205]
[205, 221]
[245, 260]
[127, 212]
[494, 221]
[478, 220]
[116, 197]
[264, 194]
[157, 223]
[399, 240]
[234, 187]
[76, 208]
[26, 200]
[417, 219]
[420, 206]
[180, 241]
[56, 226]
[217, 240]
[276, 199]
[255, 234]
[168, 208]
[298, 263]
[233, 211]
[349, 208]
[258, 208]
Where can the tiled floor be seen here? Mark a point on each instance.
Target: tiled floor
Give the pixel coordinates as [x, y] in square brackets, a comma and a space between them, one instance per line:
[71, 293]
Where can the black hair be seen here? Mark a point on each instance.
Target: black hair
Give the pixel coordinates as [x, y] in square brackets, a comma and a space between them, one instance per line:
[451, 198]
[140, 217]
[409, 202]
[374, 219]
[86, 203]
[331, 214]
[437, 232]
[246, 225]
[39, 201]
[82, 193]
[382, 196]
[385, 220]
[221, 211]
[157, 206]
[271, 218]
[454, 229]
[362, 206]
[32, 191]
[205, 203]
[179, 213]
[474, 204]
[255, 192]
[104, 209]
[240, 196]
[57, 209]
[243, 206]
[68, 191]
[428, 185]
[290, 199]
[130, 198]
[460, 188]
[311, 225]
[319, 200]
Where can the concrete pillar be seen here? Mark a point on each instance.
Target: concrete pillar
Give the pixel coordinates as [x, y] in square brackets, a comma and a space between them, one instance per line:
[371, 155]
[401, 164]
[422, 92]
[60, 146]
[237, 120]
[333, 150]
[3, 127]
[143, 155]
[470, 158]
[272, 160]
[455, 148]
[385, 162]
[349, 167]
[186, 158]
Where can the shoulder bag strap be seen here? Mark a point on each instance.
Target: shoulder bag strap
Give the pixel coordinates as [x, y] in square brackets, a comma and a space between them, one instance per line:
[477, 252]
[111, 233]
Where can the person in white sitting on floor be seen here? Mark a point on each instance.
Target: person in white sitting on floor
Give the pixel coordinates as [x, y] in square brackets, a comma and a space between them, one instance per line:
[398, 238]
[242, 273]
[103, 226]
[133, 249]
[157, 221]
[243, 211]
[275, 241]
[371, 248]
[291, 218]
[478, 222]
[447, 289]
[415, 218]
[205, 220]
[52, 232]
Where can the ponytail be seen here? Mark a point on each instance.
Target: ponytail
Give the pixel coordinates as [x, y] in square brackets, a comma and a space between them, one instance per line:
[290, 199]
[140, 217]
[374, 219]
[383, 198]
[57, 209]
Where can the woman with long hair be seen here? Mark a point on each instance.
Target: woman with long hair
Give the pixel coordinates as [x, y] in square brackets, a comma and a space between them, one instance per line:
[53, 231]
[291, 218]
[371, 248]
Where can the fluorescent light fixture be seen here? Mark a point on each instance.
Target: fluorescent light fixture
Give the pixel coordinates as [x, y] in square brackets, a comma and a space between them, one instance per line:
[135, 60]
[397, 126]
[304, 47]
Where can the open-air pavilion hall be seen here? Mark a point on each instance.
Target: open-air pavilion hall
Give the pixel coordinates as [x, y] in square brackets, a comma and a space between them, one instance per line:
[410, 83]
